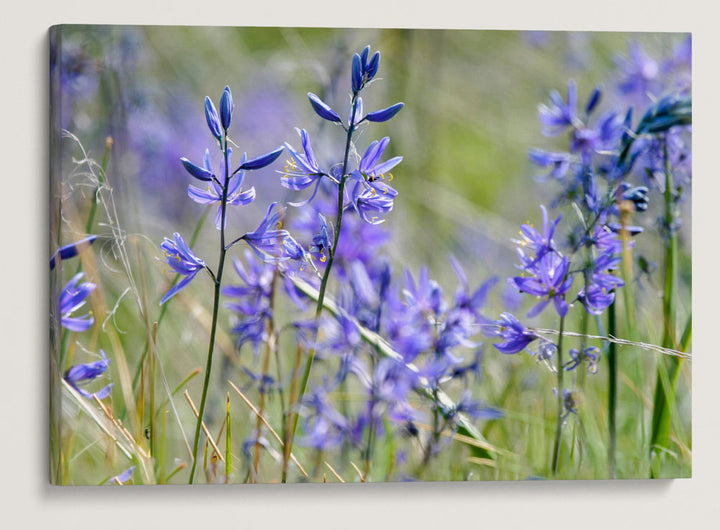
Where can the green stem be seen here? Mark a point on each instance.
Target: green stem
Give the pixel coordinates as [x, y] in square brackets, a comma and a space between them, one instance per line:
[612, 392]
[216, 305]
[560, 400]
[665, 385]
[326, 276]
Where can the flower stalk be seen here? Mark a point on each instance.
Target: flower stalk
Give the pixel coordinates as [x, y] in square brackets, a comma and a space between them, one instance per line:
[216, 305]
[324, 281]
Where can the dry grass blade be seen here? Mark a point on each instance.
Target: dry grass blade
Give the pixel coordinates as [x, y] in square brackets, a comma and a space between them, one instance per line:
[265, 422]
[357, 470]
[204, 428]
[642, 345]
[113, 429]
[332, 470]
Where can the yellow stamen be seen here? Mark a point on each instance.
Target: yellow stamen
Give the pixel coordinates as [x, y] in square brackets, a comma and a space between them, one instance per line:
[390, 177]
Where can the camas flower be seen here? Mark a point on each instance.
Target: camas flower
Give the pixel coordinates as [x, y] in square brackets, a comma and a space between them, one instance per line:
[321, 241]
[598, 294]
[533, 240]
[559, 115]
[591, 354]
[302, 170]
[82, 374]
[73, 298]
[549, 281]
[213, 193]
[268, 238]
[515, 336]
[324, 426]
[181, 259]
[639, 72]
[370, 195]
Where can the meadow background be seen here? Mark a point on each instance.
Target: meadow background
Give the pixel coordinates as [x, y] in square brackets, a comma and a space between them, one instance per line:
[465, 186]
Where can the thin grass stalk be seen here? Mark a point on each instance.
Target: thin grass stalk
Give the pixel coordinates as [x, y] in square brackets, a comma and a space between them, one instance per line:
[291, 413]
[216, 305]
[269, 347]
[101, 181]
[560, 400]
[228, 443]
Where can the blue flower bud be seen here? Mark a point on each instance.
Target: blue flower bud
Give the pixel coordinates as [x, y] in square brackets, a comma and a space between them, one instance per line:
[639, 196]
[357, 73]
[593, 100]
[261, 161]
[323, 109]
[372, 66]
[364, 57]
[226, 107]
[384, 114]
[71, 250]
[212, 118]
[196, 171]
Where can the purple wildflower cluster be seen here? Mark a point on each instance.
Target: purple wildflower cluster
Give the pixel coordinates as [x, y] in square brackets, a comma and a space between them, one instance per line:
[73, 297]
[607, 171]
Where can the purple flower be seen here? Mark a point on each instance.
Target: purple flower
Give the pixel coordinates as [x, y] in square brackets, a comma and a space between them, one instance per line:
[321, 241]
[302, 170]
[591, 354]
[123, 477]
[324, 426]
[638, 72]
[267, 240]
[559, 163]
[370, 195]
[256, 285]
[533, 240]
[181, 259]
[549, 282]
[251, 299]
[82, 374]
[515, 336]
[425, 296]
[72, 298]
[213, 193]
[475, 409]
[371, 168]
[601, 138]
[598, 294]
[559, 115]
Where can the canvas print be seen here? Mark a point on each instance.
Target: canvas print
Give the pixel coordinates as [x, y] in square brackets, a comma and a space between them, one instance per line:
[283, 255]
